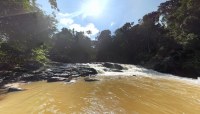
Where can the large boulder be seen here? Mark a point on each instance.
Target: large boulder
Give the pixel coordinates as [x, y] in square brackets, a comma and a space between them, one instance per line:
[113, 66]
[83, 71]
[14, 89]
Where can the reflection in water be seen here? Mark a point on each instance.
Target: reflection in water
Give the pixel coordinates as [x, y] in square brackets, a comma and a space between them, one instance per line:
[112, 95]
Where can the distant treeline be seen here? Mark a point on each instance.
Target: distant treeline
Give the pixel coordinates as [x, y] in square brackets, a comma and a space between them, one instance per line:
[167, 40]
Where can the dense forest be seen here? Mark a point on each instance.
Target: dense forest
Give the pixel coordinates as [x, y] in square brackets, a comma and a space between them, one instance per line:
[166, 40]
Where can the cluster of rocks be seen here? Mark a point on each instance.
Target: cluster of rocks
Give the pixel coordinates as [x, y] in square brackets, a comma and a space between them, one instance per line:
[51, 73]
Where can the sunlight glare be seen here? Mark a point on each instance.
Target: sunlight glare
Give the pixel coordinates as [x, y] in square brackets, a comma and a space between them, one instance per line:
[93, 8]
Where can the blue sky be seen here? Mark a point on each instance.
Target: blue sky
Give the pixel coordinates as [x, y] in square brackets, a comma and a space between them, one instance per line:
[98, 15]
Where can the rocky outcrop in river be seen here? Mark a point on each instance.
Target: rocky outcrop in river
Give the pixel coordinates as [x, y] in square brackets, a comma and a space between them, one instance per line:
[52, 72]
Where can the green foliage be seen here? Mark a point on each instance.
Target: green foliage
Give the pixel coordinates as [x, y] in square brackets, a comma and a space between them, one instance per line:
[71, 46]
[39, 54]
[25, 28]
[182, 18]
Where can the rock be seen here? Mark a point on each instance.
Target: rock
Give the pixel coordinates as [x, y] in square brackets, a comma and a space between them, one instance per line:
[19, 69]
[13, 89]
[1, 83]
[49, 70]
[5, 73]
[5, 66]
[56, 79]
[31, 77]
[32, 65]
[108, 65]
[113, 66]
[86, 71]
[116, 70]
[57, 70]
[88, 79]
[34, 71]
[51, 74]
[117, 66]
[106, 70]
[40, 70]
[62, 75]
[75, 76]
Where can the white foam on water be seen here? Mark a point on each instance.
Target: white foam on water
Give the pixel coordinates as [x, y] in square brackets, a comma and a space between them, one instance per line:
[134, 70]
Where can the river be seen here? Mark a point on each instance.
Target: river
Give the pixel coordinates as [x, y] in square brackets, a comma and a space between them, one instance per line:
[148, 92]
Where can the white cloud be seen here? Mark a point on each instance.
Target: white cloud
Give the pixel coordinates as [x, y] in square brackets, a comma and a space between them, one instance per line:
[66, 20]
[89, 26]
[63, 14]
[71, 15]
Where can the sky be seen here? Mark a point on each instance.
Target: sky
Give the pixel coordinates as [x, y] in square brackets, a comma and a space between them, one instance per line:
[98, 15]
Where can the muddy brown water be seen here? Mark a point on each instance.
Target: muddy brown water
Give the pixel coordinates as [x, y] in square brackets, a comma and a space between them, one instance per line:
[111, 95]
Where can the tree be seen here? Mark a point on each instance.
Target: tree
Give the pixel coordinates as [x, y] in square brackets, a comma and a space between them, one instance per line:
[182, 18]
[24, 27]
[103, 46]
[71, 46]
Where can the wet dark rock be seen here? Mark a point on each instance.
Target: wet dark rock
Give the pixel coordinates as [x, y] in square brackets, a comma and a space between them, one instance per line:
[10, 78]
[89, 79]
[69, 79]
[32, 65]
[1, 82]
[56, 79]
[74, 73]
[75, 76]
[19, 69]
[57, 70]
[5, 73]
[112, 70]
[108, 65]
[62, 75]
[33, 71]
[117, 66]
[49, 74]
[31, 77]
[87, 71]
[113, 66]
[5, 66]
[40, 70]
[13, 89]
[18, 74]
